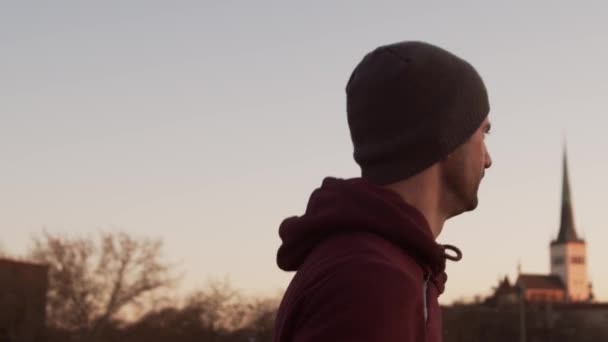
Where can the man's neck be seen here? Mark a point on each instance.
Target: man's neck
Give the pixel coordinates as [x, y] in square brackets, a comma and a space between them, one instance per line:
[422, 191]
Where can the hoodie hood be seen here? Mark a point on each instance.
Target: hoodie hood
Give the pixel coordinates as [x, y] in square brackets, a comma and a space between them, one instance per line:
[357, 205]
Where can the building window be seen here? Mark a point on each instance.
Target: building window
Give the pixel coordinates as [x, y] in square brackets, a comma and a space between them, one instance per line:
[578, 260]
[558, 260]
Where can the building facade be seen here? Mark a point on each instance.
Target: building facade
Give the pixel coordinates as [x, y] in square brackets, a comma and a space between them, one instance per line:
[23, 288]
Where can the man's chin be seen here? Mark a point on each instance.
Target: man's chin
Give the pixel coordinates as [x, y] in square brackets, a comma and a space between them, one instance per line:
[473, 205]
[469, 206]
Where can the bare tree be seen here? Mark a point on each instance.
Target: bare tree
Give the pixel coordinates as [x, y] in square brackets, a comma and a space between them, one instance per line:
[222, 308]
[92, 282]
[215, 313]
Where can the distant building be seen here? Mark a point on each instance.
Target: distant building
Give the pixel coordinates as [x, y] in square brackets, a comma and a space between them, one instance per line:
[23, 288]
[504, 293]
[542, 288]
[568, 281]
[568, 251]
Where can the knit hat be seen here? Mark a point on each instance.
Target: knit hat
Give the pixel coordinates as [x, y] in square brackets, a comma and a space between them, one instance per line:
[409, 105]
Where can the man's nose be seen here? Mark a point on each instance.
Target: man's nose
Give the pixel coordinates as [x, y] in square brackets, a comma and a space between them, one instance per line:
[488, 160]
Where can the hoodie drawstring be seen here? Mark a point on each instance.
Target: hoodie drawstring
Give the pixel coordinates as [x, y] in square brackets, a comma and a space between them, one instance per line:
[456, 257]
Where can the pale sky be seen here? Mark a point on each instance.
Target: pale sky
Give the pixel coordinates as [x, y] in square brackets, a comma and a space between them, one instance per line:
[205, 123]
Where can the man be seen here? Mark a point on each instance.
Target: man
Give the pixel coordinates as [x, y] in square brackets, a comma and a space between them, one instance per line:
[368, 267]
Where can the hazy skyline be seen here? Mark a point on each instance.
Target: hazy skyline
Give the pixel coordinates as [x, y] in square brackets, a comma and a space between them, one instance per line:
[205, 124]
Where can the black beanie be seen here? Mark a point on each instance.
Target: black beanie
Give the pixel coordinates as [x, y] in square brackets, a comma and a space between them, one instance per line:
[409, 105]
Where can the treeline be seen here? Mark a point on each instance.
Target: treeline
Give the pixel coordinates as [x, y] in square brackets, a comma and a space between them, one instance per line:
[216, 314]
[117, 287]
[540, 322]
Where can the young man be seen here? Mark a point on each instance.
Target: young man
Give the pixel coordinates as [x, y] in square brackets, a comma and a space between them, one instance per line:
[368, 267]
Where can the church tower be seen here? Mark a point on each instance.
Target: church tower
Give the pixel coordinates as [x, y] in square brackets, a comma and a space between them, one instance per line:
[568, 251]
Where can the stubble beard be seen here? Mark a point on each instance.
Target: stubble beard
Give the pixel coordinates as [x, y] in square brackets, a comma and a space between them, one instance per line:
[462, 193]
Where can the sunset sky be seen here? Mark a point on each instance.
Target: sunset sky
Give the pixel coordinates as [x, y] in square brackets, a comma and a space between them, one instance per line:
[205, 123]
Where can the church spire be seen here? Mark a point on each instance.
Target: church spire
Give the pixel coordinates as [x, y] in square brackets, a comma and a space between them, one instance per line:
[567, 229]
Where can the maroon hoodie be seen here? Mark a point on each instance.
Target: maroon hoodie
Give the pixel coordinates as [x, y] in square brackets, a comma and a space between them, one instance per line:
[368, 269]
